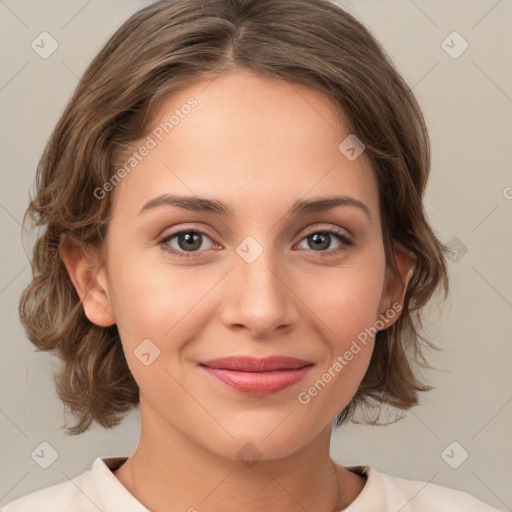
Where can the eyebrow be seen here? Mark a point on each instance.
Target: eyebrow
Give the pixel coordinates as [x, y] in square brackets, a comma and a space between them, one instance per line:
[300, 207]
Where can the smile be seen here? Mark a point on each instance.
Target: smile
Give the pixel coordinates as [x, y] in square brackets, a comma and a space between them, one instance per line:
[257, 376]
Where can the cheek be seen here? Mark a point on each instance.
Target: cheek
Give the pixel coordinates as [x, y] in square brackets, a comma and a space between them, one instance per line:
[345, 299]
[348, 316]
[151, 295]
[346, 303]
[165, 305]
[146, 304]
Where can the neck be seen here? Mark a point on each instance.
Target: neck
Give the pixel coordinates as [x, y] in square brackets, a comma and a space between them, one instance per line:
[171, 469]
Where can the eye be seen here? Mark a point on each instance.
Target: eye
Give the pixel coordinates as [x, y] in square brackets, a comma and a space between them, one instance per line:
[191, 240]
[321, 239]
[187, 241]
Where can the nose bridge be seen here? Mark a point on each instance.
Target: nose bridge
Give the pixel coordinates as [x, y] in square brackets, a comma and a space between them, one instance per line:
[258, 297]
[260, 275]
[256, 269]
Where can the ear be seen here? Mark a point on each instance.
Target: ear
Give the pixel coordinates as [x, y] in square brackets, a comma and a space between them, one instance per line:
[89, 280]
[394, 289]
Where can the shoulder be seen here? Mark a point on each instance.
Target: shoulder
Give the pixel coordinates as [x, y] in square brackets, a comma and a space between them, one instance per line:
[77, 494]
[94, 490]
[418, 496]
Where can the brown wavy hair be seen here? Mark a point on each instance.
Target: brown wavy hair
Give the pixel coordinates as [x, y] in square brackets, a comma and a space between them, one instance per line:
[160, 49]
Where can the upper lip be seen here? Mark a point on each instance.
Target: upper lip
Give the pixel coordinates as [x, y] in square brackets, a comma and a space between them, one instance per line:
[254, 364]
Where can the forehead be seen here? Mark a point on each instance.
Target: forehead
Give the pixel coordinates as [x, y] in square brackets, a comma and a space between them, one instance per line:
[248, 141]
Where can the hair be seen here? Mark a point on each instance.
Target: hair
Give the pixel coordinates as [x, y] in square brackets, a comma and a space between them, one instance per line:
[162, 48]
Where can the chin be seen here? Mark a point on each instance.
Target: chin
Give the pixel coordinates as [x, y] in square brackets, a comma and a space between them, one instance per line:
[261, 442]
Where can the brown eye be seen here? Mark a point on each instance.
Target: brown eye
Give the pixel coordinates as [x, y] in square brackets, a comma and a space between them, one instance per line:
[187, 241]
[321, 240]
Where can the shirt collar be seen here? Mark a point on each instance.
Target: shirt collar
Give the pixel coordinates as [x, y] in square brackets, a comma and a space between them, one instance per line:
[111, 491]
[115, 496]
[373, 494]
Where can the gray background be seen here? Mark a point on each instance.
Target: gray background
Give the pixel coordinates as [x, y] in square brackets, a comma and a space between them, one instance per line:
[467, 102]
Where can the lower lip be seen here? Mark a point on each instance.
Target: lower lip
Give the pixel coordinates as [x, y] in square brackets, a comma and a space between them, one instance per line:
[259, 383]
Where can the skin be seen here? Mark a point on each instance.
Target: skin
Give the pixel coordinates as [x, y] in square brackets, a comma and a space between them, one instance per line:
[258, 145]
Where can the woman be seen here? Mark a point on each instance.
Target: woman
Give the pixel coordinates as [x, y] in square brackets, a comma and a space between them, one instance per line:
[236, 242]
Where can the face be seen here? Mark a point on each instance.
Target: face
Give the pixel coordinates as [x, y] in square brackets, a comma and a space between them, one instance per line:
[264, 279]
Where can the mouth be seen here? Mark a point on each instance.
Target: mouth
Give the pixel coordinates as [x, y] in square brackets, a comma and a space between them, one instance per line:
[257, 376]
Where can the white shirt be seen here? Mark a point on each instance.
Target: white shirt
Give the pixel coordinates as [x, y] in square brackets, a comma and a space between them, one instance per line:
[98, 489]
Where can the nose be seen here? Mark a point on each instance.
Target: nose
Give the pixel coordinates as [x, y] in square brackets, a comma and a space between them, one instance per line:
[259, 298]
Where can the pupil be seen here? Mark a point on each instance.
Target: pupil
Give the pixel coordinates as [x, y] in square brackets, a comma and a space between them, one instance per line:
[191, 240]
[319, 237]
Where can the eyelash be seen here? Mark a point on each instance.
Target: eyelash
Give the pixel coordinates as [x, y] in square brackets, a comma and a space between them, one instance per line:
[346, 242]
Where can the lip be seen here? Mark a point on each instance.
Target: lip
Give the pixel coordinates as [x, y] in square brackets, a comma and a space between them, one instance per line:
[257, 376]
[255, 364]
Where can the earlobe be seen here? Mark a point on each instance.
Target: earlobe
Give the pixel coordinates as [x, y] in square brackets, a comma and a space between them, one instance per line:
[89, 280]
